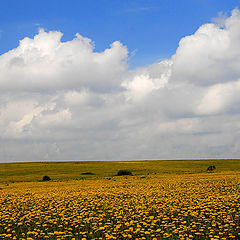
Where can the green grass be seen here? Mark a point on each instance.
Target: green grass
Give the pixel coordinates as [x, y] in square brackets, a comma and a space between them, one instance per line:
[34, 171]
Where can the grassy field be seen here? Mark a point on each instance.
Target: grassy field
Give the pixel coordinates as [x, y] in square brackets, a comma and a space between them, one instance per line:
[34, 171]
[162, 200]
[162, 206]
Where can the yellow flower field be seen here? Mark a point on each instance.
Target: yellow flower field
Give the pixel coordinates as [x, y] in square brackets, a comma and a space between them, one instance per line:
[190, 206]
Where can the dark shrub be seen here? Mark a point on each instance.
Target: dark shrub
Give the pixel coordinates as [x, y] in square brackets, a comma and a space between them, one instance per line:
[211, 168]
[87, 173]
[124, 172]
[46, 178]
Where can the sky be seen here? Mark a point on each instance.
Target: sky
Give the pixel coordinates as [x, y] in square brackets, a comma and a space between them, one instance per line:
[149, 28]
[119, 80]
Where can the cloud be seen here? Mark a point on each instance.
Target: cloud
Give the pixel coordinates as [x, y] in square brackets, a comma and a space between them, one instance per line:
[76, 98]
[148, 80]
[47, 64]
[210, 55]
[220, 20]
[219, 98]
[64, 100]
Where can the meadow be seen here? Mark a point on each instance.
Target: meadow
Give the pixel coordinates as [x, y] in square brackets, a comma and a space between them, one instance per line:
[61, 171]
[162, 200]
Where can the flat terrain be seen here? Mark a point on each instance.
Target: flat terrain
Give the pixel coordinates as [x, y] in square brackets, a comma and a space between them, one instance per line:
[86, 200]
[61, 171]
[156, 206]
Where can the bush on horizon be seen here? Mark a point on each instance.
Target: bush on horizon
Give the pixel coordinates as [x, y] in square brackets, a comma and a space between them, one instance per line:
[46, 178]
[124, 172]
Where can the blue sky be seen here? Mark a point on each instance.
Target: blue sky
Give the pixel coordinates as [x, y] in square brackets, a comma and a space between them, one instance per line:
[151, 27]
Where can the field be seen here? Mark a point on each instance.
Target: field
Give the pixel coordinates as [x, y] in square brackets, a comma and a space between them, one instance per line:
[61, 171]
[162, 200]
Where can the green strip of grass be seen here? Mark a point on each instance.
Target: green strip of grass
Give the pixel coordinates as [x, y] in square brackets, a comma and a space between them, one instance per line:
[34, 171]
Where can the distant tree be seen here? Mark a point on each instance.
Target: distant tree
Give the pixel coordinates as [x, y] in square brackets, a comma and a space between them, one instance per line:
[124, 172]
[211, 168]
[46, 178]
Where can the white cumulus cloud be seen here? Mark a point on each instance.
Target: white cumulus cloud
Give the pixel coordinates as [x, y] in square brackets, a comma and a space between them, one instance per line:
[47, 63]
[64, 100]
